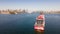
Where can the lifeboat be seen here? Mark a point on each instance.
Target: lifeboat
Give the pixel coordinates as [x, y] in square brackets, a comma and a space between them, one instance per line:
[40, 23]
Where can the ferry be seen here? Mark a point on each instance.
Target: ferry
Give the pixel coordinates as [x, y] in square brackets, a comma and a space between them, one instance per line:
[40, 23]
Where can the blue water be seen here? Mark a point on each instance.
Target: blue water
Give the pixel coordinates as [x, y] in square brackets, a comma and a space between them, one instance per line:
[23, 24]
[52, 25]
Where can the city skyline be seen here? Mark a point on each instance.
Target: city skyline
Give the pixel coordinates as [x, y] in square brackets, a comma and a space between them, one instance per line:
[30, 4]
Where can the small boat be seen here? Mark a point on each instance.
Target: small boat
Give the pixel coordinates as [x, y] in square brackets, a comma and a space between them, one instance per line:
[40, 23]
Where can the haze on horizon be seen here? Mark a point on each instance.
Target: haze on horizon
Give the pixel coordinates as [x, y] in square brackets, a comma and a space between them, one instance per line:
[30, 4]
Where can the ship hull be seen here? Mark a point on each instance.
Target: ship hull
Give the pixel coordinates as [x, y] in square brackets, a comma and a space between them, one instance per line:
[39, 27]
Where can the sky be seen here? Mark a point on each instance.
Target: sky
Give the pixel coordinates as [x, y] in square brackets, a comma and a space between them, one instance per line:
[30, 4]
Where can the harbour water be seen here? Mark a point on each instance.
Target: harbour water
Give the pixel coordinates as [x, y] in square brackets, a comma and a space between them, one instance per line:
[24, 23]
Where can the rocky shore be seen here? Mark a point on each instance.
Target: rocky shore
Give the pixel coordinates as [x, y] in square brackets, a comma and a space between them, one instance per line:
[25, 11]
[12, 11]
